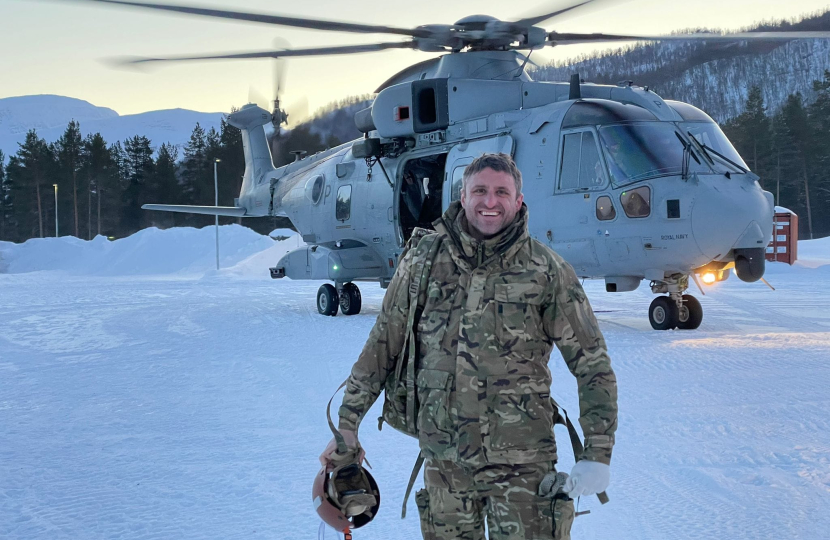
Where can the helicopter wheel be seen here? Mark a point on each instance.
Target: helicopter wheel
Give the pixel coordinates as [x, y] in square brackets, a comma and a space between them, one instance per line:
[350, 300]
[691, 314]
[327, 300]
[663, 313]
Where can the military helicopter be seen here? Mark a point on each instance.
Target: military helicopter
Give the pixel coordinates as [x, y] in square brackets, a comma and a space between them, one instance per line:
[625, 185]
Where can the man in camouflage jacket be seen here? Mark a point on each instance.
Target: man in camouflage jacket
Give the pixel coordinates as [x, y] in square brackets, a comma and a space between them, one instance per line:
[497, 301]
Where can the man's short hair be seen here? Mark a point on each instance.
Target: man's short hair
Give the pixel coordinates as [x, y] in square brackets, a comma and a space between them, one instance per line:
[498, 162]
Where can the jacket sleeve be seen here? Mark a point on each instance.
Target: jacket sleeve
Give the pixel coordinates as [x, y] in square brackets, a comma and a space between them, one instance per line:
[383, 347]
[569, 321]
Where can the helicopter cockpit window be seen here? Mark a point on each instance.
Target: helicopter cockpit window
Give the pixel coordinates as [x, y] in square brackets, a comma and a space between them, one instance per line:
[581, 165]
[605, 209]
[343, 206]
[645, 150]
[635, 202]
[711, 136]
[593, 113]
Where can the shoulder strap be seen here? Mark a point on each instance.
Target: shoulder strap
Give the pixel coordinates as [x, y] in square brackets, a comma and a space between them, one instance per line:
[419, 277]
[412, 477]
[576, 444]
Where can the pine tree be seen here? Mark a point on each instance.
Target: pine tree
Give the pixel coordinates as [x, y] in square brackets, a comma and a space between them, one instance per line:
[232, 167]
[797, 135]
[139, 169]
[4, 190]
[116, 179]
[819, 115]
[194, 167]
[97, 162]
[164, 186]
[28, 172]
[69, 148]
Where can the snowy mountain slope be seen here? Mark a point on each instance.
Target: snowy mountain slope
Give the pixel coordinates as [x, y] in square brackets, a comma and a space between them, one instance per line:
[719, 86]
[193, 406]
[50, 114]
[338, 123]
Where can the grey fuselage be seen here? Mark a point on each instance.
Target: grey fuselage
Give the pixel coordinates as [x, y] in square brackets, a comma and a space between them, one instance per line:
[697, 216]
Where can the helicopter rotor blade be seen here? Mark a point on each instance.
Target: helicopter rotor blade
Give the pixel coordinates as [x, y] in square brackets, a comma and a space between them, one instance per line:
[314, 51]
[280, 20]
[297, 112]
[536, 19]
[555, 38]
[258, 98]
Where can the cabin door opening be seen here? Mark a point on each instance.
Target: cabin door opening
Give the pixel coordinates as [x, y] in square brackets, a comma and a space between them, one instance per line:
[420, 193]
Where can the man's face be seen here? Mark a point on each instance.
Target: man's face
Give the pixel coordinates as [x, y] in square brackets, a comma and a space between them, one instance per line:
[490, 202]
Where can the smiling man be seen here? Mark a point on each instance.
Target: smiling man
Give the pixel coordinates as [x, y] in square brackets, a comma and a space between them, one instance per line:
[495, 302]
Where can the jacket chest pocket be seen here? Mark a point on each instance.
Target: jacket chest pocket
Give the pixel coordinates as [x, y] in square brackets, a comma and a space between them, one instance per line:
[518, 315]
[436, 429]
[520, 412]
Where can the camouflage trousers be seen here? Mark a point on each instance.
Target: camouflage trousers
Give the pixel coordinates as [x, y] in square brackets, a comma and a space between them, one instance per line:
[457, 500]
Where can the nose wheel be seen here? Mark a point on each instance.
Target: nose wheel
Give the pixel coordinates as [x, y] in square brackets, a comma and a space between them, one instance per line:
[690, 314]
[676, 310]
[665, 313]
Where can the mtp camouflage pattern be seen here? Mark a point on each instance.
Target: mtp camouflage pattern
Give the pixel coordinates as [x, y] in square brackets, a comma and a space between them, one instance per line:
[494, 309]
[456, 499]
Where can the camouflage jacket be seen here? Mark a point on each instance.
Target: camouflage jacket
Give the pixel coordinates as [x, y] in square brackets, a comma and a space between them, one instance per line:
[493, 312]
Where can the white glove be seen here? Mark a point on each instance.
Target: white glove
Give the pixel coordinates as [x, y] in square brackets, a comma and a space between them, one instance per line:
[588, 478]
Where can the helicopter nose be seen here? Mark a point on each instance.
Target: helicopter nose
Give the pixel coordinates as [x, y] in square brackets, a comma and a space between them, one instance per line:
[731, 213]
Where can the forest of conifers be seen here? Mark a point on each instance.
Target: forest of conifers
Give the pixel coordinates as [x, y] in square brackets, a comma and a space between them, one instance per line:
[101, 185]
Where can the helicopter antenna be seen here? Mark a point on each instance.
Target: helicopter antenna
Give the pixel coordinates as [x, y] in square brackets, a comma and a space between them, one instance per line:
[576, 89]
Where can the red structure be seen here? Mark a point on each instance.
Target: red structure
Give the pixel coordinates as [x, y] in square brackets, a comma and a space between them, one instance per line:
[784, 245]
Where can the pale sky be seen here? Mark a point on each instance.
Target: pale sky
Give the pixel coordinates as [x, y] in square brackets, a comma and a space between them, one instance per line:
[57, 47]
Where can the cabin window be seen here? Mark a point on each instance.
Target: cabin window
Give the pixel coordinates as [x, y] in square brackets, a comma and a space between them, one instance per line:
[605, 209]
[581, 164]
[635, 202]
[314, 189]
[343, 206]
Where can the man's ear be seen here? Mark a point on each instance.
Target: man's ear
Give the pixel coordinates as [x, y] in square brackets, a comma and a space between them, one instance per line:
[463, 197]
[519, 200]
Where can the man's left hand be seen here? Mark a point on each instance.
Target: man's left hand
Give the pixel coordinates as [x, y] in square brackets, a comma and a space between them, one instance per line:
[588, 478]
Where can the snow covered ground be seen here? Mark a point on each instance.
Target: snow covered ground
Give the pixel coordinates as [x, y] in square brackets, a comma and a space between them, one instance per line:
[144, 395]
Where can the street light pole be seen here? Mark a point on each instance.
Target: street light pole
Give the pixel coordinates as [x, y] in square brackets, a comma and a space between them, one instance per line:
[56, 209]
[216, 203]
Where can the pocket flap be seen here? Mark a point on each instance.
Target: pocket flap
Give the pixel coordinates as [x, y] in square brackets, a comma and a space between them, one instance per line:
[525, 293]
[432, 378]
[519, 384]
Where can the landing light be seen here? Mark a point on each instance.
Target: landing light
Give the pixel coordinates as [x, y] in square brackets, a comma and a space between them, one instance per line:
[709, 278]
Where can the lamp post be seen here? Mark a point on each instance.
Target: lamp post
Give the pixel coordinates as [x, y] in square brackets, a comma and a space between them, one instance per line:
[216, 203]
[56, 209]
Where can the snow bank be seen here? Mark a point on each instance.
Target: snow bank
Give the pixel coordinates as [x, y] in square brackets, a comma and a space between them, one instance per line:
[189, 251]
[181, 250]
[814, 253]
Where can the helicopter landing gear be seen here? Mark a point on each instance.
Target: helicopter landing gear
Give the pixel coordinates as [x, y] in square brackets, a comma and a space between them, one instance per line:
[346, 297]
[663, 313]
[690, 314]
[327, 300]
[350, 300]
[677, 310]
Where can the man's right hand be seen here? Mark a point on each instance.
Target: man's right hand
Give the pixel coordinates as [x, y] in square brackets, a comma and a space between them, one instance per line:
[330, 458]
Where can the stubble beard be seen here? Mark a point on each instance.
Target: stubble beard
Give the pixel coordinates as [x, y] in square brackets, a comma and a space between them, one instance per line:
[482, 228]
